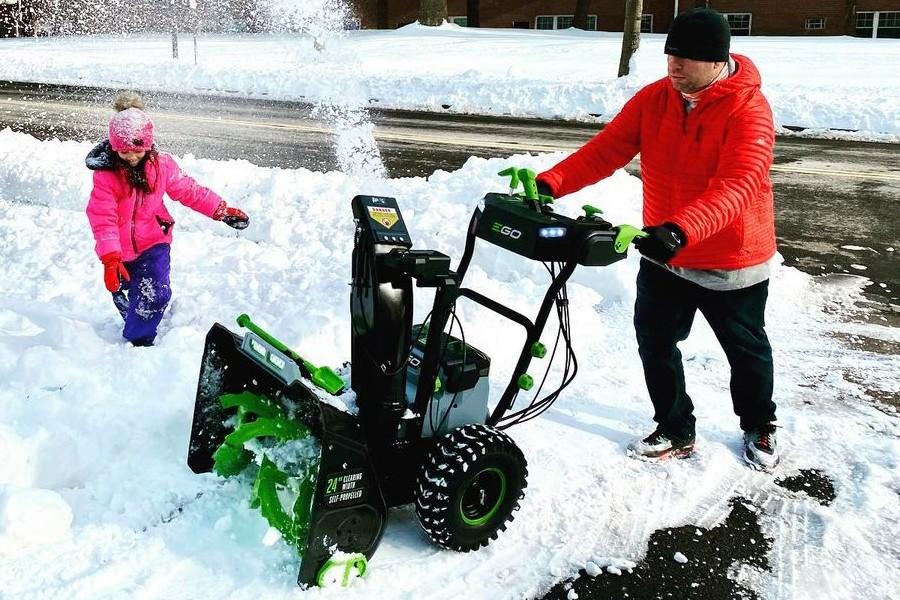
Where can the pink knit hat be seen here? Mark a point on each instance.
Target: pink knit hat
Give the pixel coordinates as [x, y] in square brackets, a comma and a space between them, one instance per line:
[131, 130]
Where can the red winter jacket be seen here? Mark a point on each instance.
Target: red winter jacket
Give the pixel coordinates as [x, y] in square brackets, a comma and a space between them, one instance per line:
[127, 220]
[707, 171]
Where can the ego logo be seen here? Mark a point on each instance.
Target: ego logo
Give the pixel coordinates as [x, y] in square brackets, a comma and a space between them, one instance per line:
[506, 230]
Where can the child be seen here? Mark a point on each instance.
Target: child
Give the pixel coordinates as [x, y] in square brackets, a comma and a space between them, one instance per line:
[132, 227]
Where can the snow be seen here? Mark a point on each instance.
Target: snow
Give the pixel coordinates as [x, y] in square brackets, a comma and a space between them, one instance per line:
[95, 498]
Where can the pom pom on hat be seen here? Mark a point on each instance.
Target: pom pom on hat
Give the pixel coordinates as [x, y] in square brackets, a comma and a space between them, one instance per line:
[699, 34]
[131, 130]
[128, 99]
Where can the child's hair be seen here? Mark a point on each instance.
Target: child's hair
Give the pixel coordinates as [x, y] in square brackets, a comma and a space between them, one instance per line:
[126, 100]
[137, 176]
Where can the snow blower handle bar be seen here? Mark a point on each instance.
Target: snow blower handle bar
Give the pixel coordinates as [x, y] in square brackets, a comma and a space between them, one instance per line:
[323, 377]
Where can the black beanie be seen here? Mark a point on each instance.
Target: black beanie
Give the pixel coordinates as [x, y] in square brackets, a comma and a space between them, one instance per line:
[699, 34]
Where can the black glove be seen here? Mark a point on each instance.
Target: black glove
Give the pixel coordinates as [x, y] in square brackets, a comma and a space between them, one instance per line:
[543, 189]
[662, 243]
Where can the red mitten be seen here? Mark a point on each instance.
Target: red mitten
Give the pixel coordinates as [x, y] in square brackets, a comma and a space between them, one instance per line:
[233, 217]
[114, 271]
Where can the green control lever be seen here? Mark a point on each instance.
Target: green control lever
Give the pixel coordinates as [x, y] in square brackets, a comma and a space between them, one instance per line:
[527, 178]
[591, 211]
[513, 175]
[323, 377]
[625, 235]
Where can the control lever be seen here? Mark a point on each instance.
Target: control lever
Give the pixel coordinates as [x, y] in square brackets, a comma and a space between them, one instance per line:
[537, 202]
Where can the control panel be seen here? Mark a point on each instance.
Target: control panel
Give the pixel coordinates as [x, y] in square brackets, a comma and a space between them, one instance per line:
[380, 217]
[514, 224]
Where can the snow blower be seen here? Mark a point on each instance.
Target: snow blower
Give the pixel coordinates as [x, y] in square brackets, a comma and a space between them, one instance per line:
[417, 425]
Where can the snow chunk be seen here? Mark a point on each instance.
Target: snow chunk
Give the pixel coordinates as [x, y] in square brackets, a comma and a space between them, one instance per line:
[680, 558]
[32, 517]
[614, 566]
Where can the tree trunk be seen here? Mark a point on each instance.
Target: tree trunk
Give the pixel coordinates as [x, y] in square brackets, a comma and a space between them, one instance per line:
[381, 14]
[433, 12]
[473, 13]
[850, 18]
[580, 21]
[631, 35]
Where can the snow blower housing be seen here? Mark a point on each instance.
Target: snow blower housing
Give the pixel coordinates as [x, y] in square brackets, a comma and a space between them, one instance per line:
[426, 432]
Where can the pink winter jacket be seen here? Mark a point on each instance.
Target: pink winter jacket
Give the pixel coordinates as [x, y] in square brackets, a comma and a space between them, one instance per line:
[128, 220]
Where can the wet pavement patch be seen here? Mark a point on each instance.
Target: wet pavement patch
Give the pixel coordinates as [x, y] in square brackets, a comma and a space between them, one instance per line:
[685, 562]
[812, 482]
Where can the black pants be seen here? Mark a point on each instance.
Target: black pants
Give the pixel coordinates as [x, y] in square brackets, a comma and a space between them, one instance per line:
[663, 315]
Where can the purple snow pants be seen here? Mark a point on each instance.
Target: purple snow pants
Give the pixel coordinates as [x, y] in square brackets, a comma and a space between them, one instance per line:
[147, 295]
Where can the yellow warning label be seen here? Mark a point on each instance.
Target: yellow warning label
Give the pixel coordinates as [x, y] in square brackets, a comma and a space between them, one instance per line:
[386, 216]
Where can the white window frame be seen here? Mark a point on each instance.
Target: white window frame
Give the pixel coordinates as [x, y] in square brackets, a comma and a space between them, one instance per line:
[882, 13]
[592, 20]
[648, 18]
[741, 14]
[814, 23]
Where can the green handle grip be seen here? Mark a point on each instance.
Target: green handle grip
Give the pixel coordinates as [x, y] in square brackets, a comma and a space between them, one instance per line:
[625, 235]
[244, 321]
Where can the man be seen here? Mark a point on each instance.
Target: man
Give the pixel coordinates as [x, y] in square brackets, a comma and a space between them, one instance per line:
[705, 134]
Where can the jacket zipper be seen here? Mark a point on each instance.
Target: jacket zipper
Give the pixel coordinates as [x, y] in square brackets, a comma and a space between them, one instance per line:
[134, 219]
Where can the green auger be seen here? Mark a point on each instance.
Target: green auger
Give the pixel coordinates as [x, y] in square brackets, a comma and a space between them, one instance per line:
[293, 527]
[260, 417]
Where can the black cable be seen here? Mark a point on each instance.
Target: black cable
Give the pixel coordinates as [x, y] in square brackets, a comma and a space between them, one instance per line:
[570, 369]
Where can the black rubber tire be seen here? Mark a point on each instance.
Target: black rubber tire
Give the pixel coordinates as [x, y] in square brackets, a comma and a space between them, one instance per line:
[469, 485]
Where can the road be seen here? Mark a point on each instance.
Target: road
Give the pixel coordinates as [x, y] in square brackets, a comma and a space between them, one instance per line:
[836, 200]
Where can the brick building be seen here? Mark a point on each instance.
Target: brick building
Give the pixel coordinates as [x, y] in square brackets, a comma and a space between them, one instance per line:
[862, 18]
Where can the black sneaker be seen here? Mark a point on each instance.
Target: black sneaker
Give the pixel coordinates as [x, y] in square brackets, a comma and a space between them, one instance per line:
[658, 446]
[760, 447]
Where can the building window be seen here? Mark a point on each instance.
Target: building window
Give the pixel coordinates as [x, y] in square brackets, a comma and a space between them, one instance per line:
[878, 24]
[544, 22]
[562, 22]
[461, 21]
[739, 23]
[889, 25]
[864, 24]
[646, 23]
[815, 23]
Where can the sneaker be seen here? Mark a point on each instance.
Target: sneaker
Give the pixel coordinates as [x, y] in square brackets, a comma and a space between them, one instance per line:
[658, 446]
[760, 447]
